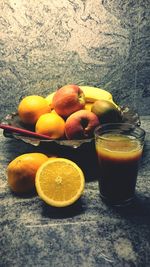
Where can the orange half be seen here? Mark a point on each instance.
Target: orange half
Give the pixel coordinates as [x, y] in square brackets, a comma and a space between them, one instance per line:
[59, 182]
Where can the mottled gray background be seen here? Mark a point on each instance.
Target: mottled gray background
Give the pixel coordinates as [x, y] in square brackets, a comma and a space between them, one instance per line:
[49, 43]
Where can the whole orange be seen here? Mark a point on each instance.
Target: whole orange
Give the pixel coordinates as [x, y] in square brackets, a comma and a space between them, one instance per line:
[51, 124]
[22, 170]
[32, 107]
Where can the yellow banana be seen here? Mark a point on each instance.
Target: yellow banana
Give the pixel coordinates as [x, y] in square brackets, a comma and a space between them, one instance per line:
[112, 101]
[93, 93]
[49, 98]
[88, 105]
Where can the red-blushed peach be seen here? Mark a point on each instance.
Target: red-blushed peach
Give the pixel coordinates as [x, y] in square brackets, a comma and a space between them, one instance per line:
[81, 124]
[68, 99]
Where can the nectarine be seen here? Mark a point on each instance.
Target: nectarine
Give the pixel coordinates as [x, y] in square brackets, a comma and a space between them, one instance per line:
[68, 99]
[81, 124]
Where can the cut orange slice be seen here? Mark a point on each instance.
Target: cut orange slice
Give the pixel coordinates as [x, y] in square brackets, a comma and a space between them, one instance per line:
[59, 182]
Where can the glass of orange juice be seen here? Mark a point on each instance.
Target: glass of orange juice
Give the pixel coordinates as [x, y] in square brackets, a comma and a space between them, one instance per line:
[119, 149]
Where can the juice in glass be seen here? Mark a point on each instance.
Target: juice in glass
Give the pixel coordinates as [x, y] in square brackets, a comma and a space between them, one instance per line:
[119, 151]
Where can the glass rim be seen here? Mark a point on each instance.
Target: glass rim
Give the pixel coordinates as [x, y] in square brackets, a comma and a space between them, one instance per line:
[106, 127]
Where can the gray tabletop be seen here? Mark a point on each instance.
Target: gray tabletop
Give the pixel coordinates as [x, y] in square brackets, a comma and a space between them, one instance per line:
[88, 234]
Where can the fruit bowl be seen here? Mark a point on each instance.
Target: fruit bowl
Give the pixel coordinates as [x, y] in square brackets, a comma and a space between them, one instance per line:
[80, 151]
[128, 115]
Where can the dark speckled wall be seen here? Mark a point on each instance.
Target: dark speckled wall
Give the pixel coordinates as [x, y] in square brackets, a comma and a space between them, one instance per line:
[49, 43]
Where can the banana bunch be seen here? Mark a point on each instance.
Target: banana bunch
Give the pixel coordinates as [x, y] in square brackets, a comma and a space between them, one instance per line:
[91, 95]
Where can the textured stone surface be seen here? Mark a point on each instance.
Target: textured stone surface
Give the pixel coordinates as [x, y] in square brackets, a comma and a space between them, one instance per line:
[88, 234]
[46, 44]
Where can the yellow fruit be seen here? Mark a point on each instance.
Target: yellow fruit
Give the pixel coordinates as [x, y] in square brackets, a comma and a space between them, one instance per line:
[51, 124]
[53, 111]
[93, 93]
[115, 104]
[22, 170]
[88, 105]
[59, 182]
[31, 108]
[49, 98]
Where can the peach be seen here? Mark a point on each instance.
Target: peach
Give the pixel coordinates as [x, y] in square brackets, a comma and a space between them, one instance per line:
[68, 99]
[81, 124]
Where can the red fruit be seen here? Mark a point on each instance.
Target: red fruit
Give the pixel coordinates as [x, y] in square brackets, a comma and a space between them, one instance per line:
[81, 124]
[68, 99]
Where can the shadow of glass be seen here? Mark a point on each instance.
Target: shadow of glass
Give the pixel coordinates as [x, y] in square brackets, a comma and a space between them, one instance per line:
[138, 210]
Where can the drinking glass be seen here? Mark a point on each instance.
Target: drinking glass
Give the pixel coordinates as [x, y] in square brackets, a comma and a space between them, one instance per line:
[119, 149]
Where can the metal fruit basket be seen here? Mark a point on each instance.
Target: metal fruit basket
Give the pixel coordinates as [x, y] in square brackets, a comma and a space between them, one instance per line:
[128, 115]
[80, 151]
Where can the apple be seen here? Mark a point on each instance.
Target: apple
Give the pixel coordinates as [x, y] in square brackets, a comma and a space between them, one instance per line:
[81, 124]
[68, 99]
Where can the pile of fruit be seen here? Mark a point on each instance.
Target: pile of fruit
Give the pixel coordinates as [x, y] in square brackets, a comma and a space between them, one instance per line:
[71, 112]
